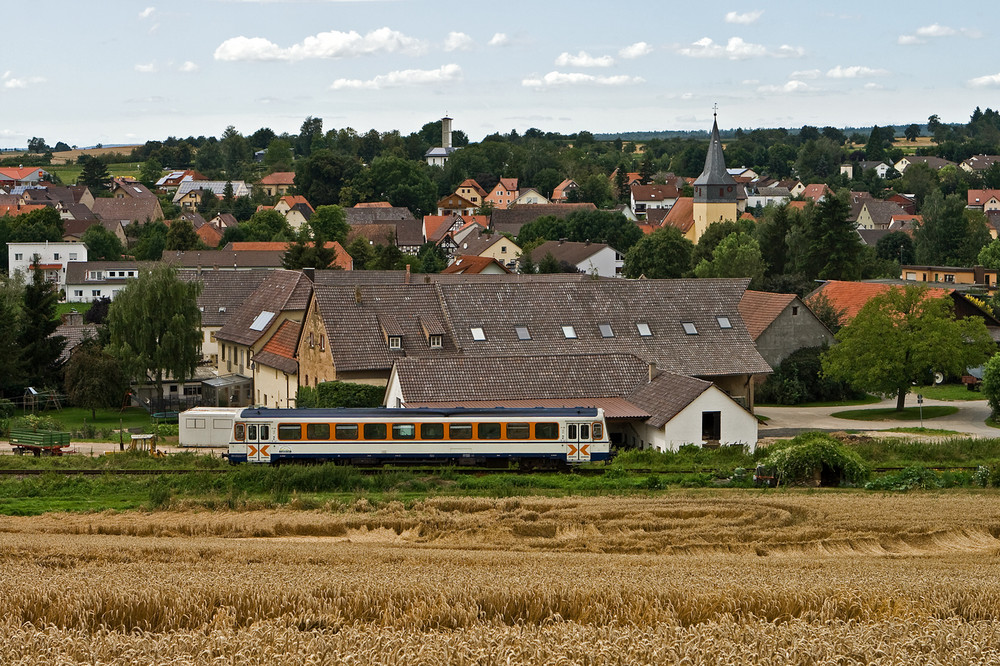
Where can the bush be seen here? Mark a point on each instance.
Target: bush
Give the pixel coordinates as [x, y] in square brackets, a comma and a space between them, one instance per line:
[799, 379]
[35, 422]
[798, 460]
[347, 394]
[991, 384]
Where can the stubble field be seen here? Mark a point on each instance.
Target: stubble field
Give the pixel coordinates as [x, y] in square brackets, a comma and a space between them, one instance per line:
[703, 577]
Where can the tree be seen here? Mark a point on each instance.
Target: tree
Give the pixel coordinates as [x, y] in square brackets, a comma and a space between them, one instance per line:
[181, 236]
[549, 264]
[311, 130]
[897, 246]
[278, 156]
[737, 255]
[96, 177]
[875, 148]
[37, 145]
[320, 177]
[911, 132]
[94, 378]
[432, 258]
[267, 225]
[949, 234]
[900, 337]
[714, 234]
[309, 251]
[331, 222]
[361, 252]
[400, 182]
[991, 384]
[989, 256]
[150, 172]
[834, 248]
[102, 245]
[40, 349]
[155, 327]
[151, 240]
[11, 307]
[665, 253]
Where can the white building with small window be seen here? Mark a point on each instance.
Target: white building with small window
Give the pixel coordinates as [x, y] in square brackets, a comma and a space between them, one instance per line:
[88, 281]
[53, 259]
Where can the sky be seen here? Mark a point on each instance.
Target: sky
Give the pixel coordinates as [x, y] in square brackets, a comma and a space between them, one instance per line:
[127, 71]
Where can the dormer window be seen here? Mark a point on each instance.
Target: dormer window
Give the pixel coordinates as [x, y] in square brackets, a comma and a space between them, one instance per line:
[395, 342]
[724, 322]
[689, 327]
[478, 333]
[436, 341]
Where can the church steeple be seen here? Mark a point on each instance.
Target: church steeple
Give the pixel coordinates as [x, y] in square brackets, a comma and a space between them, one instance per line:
[715, 183]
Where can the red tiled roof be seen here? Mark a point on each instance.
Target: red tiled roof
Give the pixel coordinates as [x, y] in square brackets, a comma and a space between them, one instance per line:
[343, 259]
[681, 214]
[759, 309]
[816, 191]
[374, 204]
[14, 211]
[279, 178]
[798, 205]
[468, 263]
[285, 340]
[17, 173]
[979, 197]
[293, 199]
[852, 296]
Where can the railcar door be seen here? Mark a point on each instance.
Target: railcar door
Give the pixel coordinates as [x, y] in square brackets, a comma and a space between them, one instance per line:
[578, 439]
[258, 446]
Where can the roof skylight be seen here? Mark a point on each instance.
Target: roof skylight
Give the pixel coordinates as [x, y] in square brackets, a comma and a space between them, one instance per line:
[689, 327]
[643, 329]
[478, 333]
[522, 333]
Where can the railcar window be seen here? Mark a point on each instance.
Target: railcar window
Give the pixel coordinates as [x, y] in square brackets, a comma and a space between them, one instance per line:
[317, 431]
[460, 430]
[431, 431]
[598, 431]
[518, 430]
[546, 431]
[403, 431]
[346, 430]
[374, 431]
[288, 431]
[489, 431]
[571, 431]
[265, 433]
[584, 431]
[240, 434]
[252, 433]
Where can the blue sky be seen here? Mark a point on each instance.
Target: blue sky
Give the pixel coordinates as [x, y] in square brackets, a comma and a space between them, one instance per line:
[124, 71]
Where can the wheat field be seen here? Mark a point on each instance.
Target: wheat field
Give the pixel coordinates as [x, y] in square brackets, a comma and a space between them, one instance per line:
[690, 578]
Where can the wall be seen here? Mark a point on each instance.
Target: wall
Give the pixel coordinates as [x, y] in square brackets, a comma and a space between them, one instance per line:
[791, 332]
[738, 425]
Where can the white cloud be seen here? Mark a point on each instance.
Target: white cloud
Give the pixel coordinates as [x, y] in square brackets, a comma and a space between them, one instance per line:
[750, 82]
[11, 82]
[583, 59]
[145, 68]
[333, 44]
[871, 85]
[636, 50]
[147, 12]
[458, 41]
[792, 86]
[189, 66]
[854, 72]
[499, 39]
[936, 30]
[806, 74]
[406, 77]
[988, 81]
[744, 19]
[579, 78]
[736, 49]
[15, 83]
[907, 40]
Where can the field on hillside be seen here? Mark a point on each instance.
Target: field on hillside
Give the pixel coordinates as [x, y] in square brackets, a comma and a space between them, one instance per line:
[697, 578]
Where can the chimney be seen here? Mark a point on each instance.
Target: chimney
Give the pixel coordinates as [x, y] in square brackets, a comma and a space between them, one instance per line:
[310, 273]
[446, 132]
[357, 295]
[406, 278]
[652, 372]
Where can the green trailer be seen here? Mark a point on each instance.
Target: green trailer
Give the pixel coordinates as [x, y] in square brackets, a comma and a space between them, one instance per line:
[39, 442]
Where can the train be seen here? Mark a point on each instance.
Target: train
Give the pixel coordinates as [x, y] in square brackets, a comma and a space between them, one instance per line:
[470, 436]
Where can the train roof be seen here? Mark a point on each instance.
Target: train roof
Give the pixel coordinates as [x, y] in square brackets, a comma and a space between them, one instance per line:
[390, 412]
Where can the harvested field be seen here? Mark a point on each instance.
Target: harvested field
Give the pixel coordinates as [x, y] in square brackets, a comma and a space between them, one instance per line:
[698, 578]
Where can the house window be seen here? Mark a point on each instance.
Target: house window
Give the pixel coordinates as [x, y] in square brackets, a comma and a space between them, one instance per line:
[18, 257]
[435, 341]
[55, 256]
[643, 329]
[948, 277]
[795, 310]
[312, 342]
[503, 249]
[78, 292]
[95, 293]
[478, 333]
[522, 333]
[689, 327]
[606, 331]
[711, 426]
[395, 342]
[322, 342]
[569, 332]
[72, 256]
[724, 322]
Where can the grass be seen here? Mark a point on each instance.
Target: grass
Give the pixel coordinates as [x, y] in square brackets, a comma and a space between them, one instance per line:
[74, 418]
[64, 308]
[925, 431]
[69, 173]
[892, 414]
[867, 400]
[947, 392]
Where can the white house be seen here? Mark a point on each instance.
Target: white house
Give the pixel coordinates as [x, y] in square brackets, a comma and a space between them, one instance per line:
[87, 281]
[590, 258]
[52, 258]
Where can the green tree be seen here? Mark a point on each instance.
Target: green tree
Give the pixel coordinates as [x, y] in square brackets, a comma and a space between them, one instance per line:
[911, 132]
[150, 172]
[309, 251]
[771, 232]
[991, 384]
[949, 235]
[875, 148]
[714, 234]
[40, 349]
[361, 252]
[331, 222]
[279, 156]
[11, 307]
[989, 256]
[151, 240]
[401, 182]
[320, 177]
[267, 225]
[181, 236]
[96, 177]
[835, 248]
[549, 264]
[155, 327]
[919, 180]
[896, 246]
[94, 378]
[595, 189]
[901, 337]
[665, 253]
[737, 255]
[102, 245]
[432, 258]
[37, 145]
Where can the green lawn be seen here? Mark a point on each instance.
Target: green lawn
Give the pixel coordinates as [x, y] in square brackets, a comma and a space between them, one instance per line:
[891, 414]
[69, 173]
[63, 308]
[73, 418]
[947, 392]
[867, 400]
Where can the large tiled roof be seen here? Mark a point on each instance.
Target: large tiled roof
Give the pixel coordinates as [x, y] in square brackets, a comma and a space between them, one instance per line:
[571, 252]
[681, 215]
[470, 263]
[279, 351]
[216, 187]
[376, 214]
[654, 192]
[852, 296]
[280, 291]
[351, 278]
[223, 258]
[343, 260]
[881, 212]
[510, 220]
[353, 316]
[759, 309]
[478, 242]
[223, 292]
[139, 209]
[666, 396]
[662, 305]
[279, 178]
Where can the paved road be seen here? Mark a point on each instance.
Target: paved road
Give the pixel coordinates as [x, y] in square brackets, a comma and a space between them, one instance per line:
[785, 421]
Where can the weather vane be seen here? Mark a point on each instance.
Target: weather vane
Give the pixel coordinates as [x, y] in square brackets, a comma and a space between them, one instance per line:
[715, 110]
